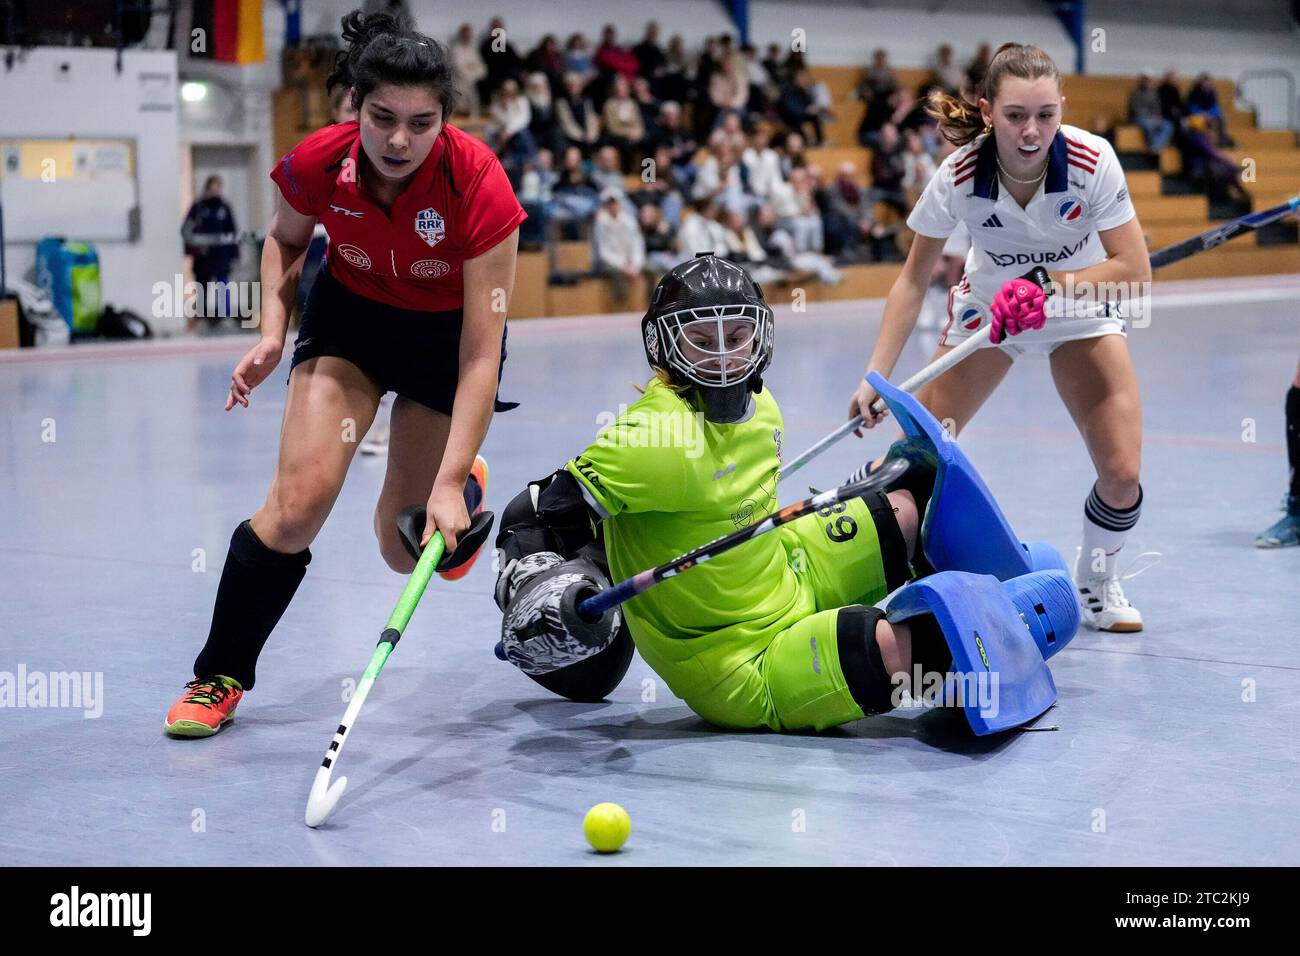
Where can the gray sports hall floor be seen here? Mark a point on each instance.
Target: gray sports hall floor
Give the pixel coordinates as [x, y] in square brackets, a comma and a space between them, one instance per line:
[1176, 746]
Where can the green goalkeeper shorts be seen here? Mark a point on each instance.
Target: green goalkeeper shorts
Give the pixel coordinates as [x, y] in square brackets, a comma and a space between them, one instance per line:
[818, 672]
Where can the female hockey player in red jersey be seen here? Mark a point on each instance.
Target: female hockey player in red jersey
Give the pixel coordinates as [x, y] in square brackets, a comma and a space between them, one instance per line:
[423, 228]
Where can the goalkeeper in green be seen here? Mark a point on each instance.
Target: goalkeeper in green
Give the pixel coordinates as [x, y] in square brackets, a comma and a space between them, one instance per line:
[781, 632]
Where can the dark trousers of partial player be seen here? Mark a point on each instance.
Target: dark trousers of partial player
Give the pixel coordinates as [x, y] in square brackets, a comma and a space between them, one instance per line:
[1293, 439]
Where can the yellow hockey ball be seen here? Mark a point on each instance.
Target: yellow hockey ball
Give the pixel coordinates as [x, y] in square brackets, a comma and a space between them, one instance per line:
[606, 827]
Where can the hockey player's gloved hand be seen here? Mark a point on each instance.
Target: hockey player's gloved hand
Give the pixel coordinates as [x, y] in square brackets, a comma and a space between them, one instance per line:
[516, 573]
[1020, 305]
[542, 630]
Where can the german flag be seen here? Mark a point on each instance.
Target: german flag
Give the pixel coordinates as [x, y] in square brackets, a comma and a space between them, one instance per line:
[228, 30]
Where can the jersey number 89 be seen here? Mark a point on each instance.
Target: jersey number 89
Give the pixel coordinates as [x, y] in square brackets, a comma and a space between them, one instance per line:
[843, 528]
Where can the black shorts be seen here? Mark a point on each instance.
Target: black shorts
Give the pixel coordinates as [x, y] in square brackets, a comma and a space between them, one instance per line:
[413, 353]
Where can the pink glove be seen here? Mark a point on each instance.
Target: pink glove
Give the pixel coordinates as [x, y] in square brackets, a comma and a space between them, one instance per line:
[1017, 306]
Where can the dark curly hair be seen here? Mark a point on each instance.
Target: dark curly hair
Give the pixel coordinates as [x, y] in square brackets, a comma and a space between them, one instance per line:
[386, 48]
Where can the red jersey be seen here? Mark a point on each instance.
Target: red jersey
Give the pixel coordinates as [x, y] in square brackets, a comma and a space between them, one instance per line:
[458, 205]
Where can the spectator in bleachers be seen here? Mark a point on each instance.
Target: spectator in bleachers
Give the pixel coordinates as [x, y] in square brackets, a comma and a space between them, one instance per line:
[846, 217]
[537, 196]
[621, 119]
[718, 175]
[798, 108]
[674, 79]
[887, 170]
[910, 113]
[978, 66]
[876, 90]
[501, 58]
[1103, 126]
[762, 164]
[762, 91]
[727, 51]
[617, 244]
[509, 136]
[606, 172]
[741, 245]
[728, 88]
[796, 211]
[1203, 100]
[577, 116]
[341, 108]
[575, 195]
[661, 189]
[783, 252]
[700, 230]
[879, 79]
[823, 101]
[546, 58]
[1144, 110]
[776, 75]
[1171, 99]
[729, 124]
[671, 134]
[792, 154]
[1205, 167]
[577, 58]
[851, 205]
[765, 230]
[469, 68]
[703, 112]
[614, 58]
[649, 105]
[794, 62]
[543, 124]
[944, 71]
[918, 166]
[659, 238]
[650, 57]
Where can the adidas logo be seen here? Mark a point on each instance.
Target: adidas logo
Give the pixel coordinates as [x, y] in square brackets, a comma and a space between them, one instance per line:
[992, 222]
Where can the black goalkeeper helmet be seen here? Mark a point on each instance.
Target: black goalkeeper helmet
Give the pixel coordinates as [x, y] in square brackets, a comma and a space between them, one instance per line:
[715, 303]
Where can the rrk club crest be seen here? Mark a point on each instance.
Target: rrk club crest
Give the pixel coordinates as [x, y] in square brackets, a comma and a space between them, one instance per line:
[429, 226]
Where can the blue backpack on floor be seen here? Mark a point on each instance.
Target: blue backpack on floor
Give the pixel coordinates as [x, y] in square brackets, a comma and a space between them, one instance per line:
[69, 274]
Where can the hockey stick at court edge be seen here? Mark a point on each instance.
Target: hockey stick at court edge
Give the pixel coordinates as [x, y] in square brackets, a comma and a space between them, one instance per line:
[1166, 256]
[603, 601]
[325, 796]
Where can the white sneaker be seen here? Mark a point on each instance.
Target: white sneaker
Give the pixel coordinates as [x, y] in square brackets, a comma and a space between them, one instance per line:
[1104, 606]
[376, 440]
[1101, 596]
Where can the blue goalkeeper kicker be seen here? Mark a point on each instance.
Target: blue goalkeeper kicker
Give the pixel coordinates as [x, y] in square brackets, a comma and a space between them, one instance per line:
[999, 634]
[964, 529]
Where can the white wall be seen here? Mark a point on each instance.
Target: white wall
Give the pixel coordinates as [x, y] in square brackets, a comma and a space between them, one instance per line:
[1215, 36]
[94, 100]
[845, 35]
[527, 21]
[235, 113]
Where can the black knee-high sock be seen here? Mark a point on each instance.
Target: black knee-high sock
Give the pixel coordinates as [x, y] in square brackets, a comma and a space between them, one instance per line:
[1293, 438]
[256, 586]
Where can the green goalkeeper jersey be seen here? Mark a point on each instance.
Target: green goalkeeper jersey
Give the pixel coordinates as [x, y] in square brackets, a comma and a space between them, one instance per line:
[667, 480]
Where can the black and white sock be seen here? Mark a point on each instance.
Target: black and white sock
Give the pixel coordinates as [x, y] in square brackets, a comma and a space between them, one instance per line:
[1105, 529]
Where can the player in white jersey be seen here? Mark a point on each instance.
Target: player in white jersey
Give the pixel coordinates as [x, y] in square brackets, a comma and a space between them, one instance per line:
[1056, 249]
